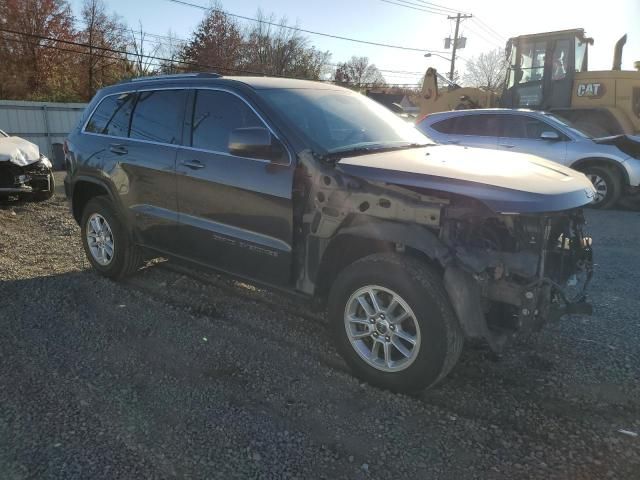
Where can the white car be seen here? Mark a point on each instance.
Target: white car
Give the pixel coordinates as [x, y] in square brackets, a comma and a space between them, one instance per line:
[611, 163]
[24, 171]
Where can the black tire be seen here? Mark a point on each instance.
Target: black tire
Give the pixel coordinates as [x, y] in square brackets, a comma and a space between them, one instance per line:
[612, 181]
[422, 289]
[44, 195]
[127, 256]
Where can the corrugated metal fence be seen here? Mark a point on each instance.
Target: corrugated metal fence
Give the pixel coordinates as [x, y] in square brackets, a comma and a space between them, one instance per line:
[44, 123]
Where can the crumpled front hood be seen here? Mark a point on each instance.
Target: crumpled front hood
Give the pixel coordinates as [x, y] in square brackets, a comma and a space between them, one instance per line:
[629, 144]
[504, 181]
[18, 151]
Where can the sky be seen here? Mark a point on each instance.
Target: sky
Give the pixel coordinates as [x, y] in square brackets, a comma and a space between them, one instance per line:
[383, 22]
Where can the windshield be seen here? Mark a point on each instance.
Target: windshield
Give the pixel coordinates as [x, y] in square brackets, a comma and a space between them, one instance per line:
[335, 121]
[567, 124]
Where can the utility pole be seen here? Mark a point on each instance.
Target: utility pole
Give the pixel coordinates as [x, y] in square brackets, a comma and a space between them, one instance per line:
[457, 18]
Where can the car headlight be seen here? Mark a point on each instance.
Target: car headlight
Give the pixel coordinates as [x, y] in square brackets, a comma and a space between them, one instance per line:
[46, 162]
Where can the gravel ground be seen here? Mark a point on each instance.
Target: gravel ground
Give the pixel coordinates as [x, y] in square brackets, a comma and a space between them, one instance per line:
[191, 375]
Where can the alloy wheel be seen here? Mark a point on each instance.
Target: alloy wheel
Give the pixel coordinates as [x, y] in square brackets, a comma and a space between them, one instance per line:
[382, 328]
[600, 185]
[100, 239]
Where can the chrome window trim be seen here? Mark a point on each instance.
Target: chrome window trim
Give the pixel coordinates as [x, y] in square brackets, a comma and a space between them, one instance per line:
[218, 89]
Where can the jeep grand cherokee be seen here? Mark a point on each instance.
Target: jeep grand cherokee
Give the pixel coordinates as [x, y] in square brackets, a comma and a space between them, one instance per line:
[315, 189]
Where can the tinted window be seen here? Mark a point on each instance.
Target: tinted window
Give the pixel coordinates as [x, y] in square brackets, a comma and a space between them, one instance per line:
[478, 125]
[526, 127]
[112, 115]
[215, 114]
[158, 116]
[445, 126]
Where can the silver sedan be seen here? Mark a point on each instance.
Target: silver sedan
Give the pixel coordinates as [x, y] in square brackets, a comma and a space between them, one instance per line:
[612, 163]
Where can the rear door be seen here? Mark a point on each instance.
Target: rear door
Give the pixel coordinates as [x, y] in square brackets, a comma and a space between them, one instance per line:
[522, 133]
[149, 164]
[140, 166]
[479, 130]
[235, 213]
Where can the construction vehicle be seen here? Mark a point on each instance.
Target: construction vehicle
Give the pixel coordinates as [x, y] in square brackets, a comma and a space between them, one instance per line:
[548, 71]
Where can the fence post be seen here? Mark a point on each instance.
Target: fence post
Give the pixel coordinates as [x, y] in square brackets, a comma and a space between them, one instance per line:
[47, 132]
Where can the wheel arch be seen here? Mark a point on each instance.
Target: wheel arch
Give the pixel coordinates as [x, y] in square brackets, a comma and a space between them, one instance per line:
[376, 236]
[86, 188]
[602, 162]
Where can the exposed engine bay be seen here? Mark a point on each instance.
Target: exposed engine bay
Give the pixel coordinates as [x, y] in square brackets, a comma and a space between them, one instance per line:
[521, 270]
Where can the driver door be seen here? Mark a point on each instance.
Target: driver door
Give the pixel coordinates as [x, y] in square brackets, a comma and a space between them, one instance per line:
[234, 213]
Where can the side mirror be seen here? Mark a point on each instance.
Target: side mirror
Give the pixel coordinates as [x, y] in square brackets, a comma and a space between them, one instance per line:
[549, 136]
[255, 142]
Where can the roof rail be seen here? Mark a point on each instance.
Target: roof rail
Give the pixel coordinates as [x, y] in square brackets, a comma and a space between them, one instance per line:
[175, 76]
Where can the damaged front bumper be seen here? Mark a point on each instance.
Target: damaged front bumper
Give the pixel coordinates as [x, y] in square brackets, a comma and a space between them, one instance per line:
[498, 295]
[15, 180]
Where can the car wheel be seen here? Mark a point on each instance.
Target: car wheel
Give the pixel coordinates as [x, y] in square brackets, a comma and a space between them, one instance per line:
[607, 184]
[106, 241]
[393, 323]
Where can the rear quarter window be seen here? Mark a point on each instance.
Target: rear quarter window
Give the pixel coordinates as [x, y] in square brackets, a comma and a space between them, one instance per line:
[445, 126]
[112, 116]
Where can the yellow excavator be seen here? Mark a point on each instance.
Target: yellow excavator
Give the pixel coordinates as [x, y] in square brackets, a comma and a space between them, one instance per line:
[548, 71]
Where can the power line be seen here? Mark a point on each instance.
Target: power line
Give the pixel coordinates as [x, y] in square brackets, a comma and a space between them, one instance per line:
[440, 7]
[151, 57]
[297, 29]
[492, 42]
[135, 32]
[490, 30]
[413, 6]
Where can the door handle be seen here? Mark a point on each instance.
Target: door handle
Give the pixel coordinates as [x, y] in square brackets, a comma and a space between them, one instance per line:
[193, 164]
[453, 142]
[506, 145]
[118, 149]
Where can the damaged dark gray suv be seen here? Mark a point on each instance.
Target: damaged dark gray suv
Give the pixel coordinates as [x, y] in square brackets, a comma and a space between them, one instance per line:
[318, 190]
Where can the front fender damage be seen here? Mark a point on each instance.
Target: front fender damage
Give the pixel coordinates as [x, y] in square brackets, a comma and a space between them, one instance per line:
[504, 274]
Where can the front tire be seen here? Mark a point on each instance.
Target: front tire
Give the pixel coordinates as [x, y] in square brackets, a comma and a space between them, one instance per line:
[608, 186]
[106, 241]
[393, 323]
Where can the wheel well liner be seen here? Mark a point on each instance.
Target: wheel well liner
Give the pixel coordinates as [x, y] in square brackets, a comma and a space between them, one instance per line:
[357, 241]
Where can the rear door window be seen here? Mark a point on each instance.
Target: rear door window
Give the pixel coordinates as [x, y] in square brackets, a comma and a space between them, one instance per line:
[215, 115]
[158, 116]
[112, 116]
[478, 125]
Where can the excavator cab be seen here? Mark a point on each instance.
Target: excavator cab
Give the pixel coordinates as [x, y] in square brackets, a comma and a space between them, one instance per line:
[542, 68]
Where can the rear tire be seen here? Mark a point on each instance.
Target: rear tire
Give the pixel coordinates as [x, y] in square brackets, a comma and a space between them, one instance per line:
[430, 323]
[99, 219]
[607, 183]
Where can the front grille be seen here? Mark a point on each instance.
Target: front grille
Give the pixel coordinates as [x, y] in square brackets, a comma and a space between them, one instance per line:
[8, 174]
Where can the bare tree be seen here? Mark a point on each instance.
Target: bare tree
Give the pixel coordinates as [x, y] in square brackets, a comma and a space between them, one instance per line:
[144, 51]
[171, 49]
[272, 48]
[487, 70]
[102, 33]
[358, 73]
